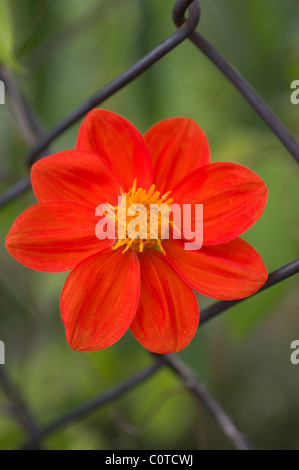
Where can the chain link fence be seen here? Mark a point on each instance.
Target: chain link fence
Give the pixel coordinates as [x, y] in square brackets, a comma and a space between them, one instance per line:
[186, 16]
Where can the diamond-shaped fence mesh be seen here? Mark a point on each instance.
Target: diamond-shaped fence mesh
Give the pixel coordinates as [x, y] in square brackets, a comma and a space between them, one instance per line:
[186, 16]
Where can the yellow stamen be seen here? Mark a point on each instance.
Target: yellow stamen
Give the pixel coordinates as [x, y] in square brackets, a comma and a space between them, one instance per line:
[151, 238]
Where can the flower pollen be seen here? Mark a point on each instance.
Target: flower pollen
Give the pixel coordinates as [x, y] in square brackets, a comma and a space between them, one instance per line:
[148, 228]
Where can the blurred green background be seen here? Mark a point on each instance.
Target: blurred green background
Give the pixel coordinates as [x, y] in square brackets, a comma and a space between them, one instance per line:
[64, 51]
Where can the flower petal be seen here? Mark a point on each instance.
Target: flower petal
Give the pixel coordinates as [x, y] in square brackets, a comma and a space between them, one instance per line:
[113, 137]
[232, 270]
[54, 236]
[75, 176]
[178, 146]
[233, 198]
[99, 299]
[168, 314]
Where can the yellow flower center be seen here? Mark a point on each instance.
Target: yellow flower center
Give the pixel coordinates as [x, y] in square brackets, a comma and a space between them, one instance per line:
[141, 219]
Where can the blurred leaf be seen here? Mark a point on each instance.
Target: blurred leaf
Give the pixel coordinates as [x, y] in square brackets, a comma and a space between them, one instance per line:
[7, 37]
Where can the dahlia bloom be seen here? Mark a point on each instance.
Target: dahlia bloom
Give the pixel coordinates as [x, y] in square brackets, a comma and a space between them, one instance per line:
[145, 284]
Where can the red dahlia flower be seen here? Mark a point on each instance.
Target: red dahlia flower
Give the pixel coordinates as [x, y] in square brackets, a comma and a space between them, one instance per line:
[119, 284]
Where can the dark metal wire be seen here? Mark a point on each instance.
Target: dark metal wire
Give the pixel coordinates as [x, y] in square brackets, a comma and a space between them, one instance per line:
[127, 77]
[225, 422]
[275, 277]
[241, 84]
[111, 88]
[17, 405]
[95, 403]
[14, 191]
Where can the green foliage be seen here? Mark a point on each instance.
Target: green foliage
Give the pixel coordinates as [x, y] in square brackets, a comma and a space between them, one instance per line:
[71, 51]
[7, 37]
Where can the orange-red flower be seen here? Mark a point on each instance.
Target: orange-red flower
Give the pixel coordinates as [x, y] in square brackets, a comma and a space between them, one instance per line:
[117, 285]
